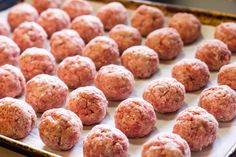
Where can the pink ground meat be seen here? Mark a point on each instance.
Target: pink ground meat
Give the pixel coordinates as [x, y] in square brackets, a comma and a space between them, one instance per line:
[60, 129]
[125, 36]
[66, 43]
[226, 75]
[214, 53]
[76, 8]
[166, 145]
[89, 103]
[147, 19]
[9, 51]
[192, 73]
[34, 61]
[76, 71]
[226, 32]
[197, 127]
[188, 26]
[42, 5]
[22, 12]
[117, 10]
[166, 42]
[102, 50]
[142, 61]
[88, 27]
[105, 141]
[220, 101]
[17, 118]
[29, 34]
[4, 28]
[53, 20]
[116, 82]
[165, 94]
[135, 117]
[12, 82]
[44, 92]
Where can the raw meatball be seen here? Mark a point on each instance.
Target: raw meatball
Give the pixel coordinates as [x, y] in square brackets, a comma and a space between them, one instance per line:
[53, 20]
[135, 117]
[44, 92]
[166, 42]
[220, 101]
[227, 75]
[214, 53]
[76, 71]
[34, 61]
[102, 50]
[103, 141]
[17, 118]
[188, 26]
[192, 73]
[12, 82]
[4, 28]
[88, 27]
[112, 14]
[20, 13]
[42, 5]
[29, 34]
[125, 36]
[89, 103]
[60, 129]
[166, 145]
[66, 43]
[116, 82]
[142, 61]
[76, 8]
[165, 95]
[9, 51]
[226, 32]
[147, 19]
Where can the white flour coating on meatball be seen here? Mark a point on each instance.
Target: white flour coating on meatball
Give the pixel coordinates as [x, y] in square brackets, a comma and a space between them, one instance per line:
[226, 75]
[42, 5]
[4, 28]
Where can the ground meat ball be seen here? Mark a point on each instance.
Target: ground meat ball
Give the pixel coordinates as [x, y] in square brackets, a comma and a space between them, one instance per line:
[88, 27]
[188, 26]
[192, 73]
[60, 129]
[219, 101]
[166, 42]
[66, 43]
[147, 19]
[214, 53]
[53, 20]
[76, 71]
[135, 117]
[165, 95]
[89, 103]
[142, 61]
[116, 82]
[102, 50]
[29, 34]
[34, 61]
[44, 92]
[227, 75]
[42, 5]
[166, 145]
[76, 8]
[125, 36]
[103, 141]
[17, 118]
[20, 13]
[9, 51]
[12, 82]
[4, 28]
[226, 32]
[117, 10]
[197, 127]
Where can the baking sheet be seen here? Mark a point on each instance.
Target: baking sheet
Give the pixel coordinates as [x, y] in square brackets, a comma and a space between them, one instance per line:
[226, 133]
